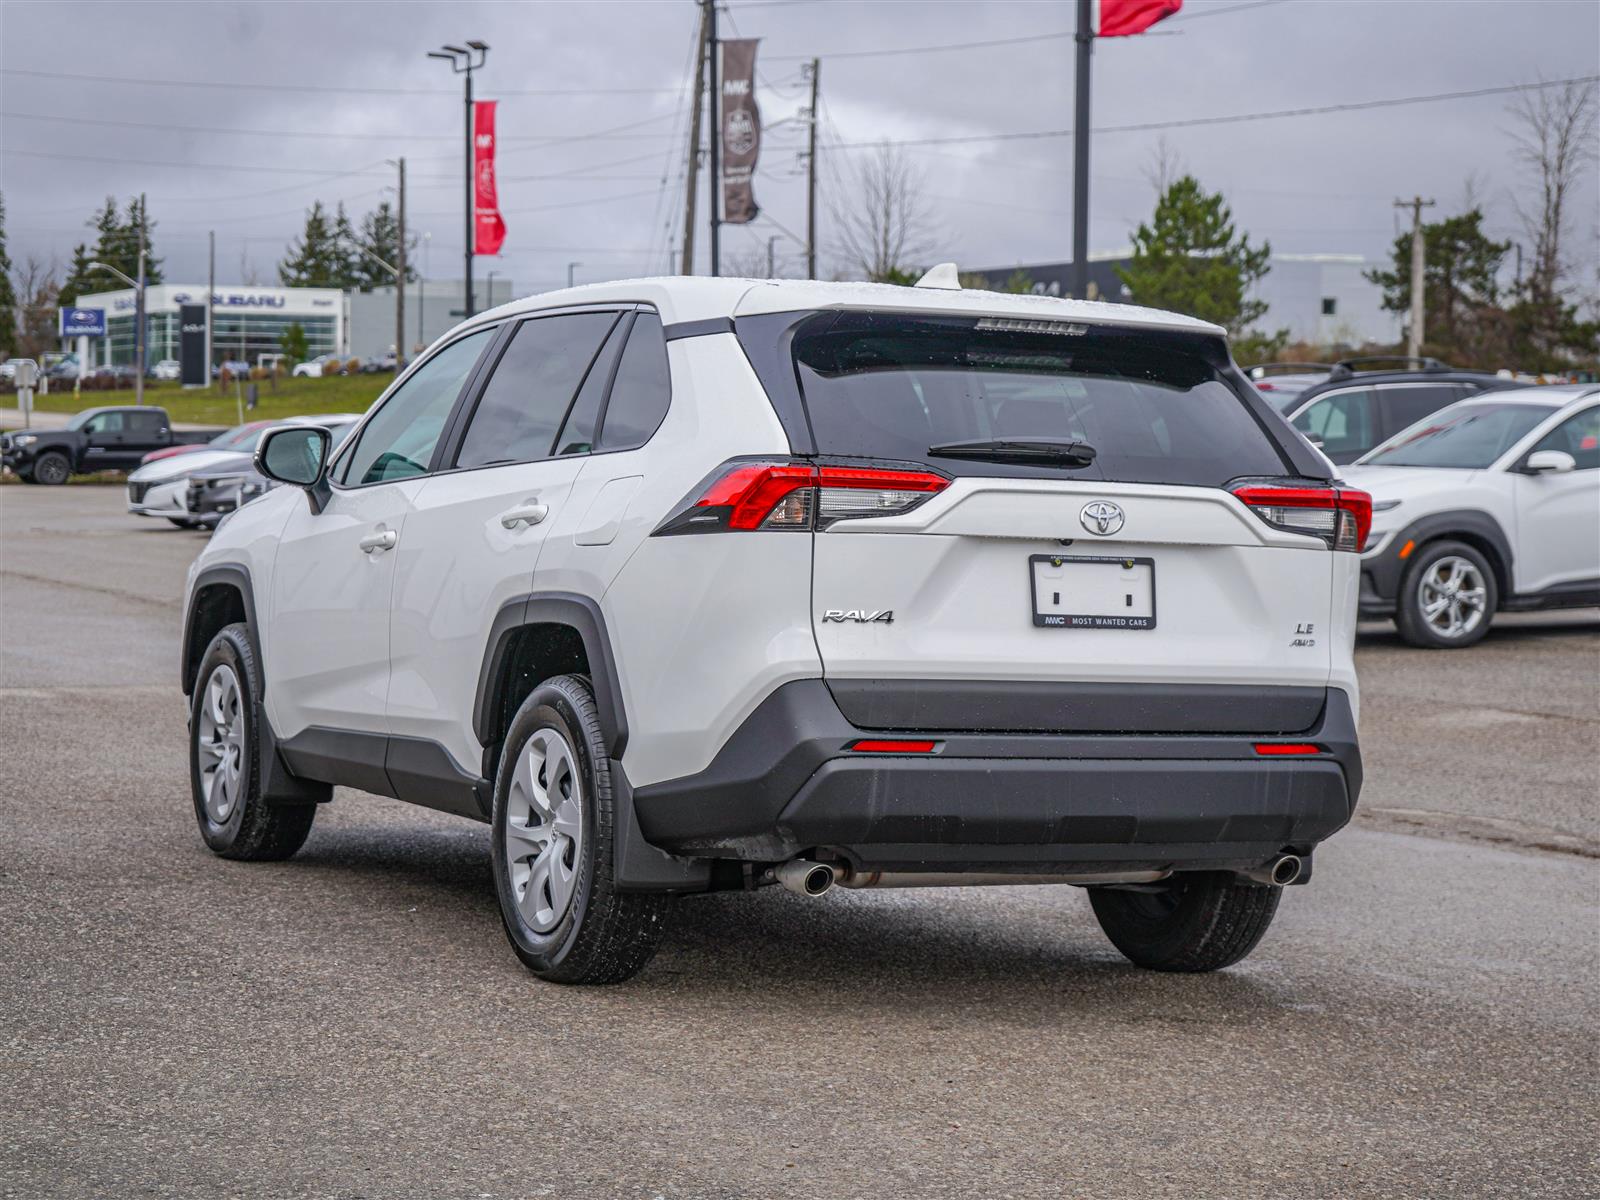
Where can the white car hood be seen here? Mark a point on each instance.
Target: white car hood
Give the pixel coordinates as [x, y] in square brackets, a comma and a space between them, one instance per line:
[1406, 483]
[175, 465]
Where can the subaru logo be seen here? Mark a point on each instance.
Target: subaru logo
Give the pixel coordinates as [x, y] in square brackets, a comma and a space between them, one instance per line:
[1101, 517]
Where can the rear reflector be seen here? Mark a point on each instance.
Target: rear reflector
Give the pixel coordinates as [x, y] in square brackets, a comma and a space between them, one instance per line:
[1341, 517]
[883, 747]
[791, 494]
[1287, 748]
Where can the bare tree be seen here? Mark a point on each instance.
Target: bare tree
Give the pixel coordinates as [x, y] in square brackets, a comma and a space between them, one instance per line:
[38, 288]
[1556, 142]
[1165, 168]
[885, 227]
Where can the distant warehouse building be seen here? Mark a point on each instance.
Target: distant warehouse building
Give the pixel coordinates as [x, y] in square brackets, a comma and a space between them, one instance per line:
[1321, 299]
[248, 321]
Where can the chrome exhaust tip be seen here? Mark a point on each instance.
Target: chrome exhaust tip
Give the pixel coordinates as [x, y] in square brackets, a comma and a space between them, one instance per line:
[1280, 872]
[805, 878]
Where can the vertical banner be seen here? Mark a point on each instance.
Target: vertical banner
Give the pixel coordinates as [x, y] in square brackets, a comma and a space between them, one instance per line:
[488, 230]
[193, 369]
[741, 130]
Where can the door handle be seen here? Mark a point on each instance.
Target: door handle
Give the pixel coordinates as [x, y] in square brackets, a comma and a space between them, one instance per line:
[384, 539]
[526, 514]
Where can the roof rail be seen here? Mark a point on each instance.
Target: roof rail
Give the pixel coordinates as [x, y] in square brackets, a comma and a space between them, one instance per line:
[1259, 371]
[1346, 367]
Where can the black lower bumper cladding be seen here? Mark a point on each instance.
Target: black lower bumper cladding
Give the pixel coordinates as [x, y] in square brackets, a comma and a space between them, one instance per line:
[787, 782]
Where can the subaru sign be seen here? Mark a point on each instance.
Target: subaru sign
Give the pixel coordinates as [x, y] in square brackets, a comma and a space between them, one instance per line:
[83, 322]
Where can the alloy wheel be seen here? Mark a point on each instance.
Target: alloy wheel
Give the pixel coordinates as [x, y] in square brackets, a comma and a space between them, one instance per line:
[544, 829]
[1452, 597]
[221, 740]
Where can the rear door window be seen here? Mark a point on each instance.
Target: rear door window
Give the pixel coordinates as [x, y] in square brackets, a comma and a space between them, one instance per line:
[577, 433]
[1404, 404]
[1346, 422]
[1153, 406]
[532, 387]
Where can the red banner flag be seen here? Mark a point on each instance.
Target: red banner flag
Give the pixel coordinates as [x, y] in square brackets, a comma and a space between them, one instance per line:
[1120, 18]
[489, 231]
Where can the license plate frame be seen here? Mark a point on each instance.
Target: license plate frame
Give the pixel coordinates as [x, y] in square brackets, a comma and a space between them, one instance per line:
[1054, 620]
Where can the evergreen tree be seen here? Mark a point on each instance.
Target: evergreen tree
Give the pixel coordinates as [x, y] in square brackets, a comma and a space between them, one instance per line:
[8, 292]
[322, 255]
[1191, 259]
[293, 343]
[380, 234]
[1462, 317]
[117, 240]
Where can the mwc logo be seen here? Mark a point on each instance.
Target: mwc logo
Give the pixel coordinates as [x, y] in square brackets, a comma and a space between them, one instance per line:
[736, 87]
[485, 141]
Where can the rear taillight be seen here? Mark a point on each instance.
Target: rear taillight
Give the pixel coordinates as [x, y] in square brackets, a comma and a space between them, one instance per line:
[1339, 516]
[788, 494]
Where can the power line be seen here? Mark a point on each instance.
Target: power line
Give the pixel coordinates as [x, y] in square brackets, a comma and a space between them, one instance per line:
[239, 85]
[523, 142]
[1190, 122]
[182, 166]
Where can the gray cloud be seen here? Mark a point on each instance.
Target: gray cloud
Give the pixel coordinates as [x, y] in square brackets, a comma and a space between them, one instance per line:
[1322, 183]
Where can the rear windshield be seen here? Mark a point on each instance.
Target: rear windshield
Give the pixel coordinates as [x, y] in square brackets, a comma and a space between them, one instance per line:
[1470, 436]
[1152, 406]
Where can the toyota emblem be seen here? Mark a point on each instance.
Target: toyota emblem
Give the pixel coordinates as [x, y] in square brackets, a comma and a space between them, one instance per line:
[1101, 517]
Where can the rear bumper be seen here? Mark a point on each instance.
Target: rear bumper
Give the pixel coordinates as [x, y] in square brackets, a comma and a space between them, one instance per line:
[786, 783]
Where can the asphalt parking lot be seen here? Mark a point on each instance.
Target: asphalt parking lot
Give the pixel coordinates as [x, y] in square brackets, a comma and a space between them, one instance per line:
[1423, 1019]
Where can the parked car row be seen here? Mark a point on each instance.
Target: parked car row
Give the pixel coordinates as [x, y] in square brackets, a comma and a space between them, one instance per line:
[198, 487]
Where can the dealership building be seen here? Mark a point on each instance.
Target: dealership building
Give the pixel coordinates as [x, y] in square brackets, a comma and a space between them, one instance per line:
[247, 321]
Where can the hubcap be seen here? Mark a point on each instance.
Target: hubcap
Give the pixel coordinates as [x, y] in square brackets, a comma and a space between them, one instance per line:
[220, 737]
[544, 829]
[51, 469]
[1452, 596]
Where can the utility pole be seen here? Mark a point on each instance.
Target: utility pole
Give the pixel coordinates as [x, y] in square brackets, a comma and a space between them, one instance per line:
[1419, 262]
[715, 130]
[462, 62]
[1080, 155]
[692, 174]
[211, 291]
[811, 175]
[400, 279]
[140, 334]
[571, 268]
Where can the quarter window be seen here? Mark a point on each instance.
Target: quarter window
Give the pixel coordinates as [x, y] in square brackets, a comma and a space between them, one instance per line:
[398, 442]
[532, 387]
[643, 388]
[1343, 421]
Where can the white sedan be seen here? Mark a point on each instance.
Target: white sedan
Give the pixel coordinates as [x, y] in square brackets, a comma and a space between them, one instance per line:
[1490, 505]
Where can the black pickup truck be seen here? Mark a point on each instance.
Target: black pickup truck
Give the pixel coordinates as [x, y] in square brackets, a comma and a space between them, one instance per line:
[97, 439]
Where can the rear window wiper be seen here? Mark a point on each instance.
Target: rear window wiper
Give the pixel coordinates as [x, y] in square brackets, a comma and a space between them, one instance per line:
[1059, 452]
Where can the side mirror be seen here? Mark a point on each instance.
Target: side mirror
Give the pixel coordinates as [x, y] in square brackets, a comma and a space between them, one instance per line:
[297, 455]
[1550, 462]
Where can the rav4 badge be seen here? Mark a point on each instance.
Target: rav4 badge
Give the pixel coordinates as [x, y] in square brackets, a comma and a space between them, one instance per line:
[861, 616]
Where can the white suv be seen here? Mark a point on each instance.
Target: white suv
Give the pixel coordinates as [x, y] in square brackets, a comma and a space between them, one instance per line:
[696, 584]
[1490, 505]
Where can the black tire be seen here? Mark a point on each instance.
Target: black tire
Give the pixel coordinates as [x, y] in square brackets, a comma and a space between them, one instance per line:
[184, 523]
[1200, 921]
[1414, 627]
[603, 936]
[252, 830]
[51, 469]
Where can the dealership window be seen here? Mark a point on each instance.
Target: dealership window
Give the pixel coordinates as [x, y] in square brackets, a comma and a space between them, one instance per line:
[1330, 306]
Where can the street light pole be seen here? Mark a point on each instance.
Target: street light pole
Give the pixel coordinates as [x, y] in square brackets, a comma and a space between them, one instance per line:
[571, 267]
[138, 309]
[464, 60]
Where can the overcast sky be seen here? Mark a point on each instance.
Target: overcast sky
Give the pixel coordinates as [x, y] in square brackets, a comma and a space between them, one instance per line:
[594, 102]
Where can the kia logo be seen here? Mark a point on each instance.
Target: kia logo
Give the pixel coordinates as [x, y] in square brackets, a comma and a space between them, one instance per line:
[1101, 517]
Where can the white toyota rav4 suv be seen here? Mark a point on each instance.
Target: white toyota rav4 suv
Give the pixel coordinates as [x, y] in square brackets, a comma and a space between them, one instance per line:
[697, 584]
